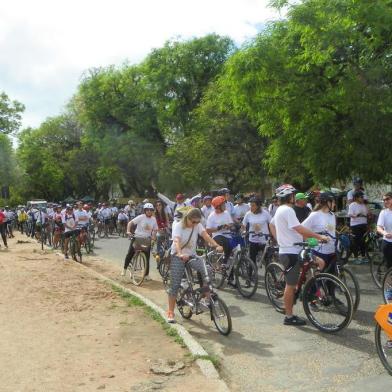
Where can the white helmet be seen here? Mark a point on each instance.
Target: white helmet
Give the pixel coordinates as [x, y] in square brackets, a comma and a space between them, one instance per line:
[285, 190]
[148, 206]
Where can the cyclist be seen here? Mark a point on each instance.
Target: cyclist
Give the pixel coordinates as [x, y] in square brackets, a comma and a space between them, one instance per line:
[70, 227]
[185, 235]
[179, 203]
[257, 219]
[163, 223]
[301, 209]
[240, 209]
[358, 187]
[218, 223]
[41, 221]
[58, 225]
[321, 220]
[225, 192]
[358, 212]
[273, 206]
[143, 227]
[83, 219]
[286, 228]
[22, 219]
[3, 227]
[384, 227]
[122, 220]
[105, 214]
[207, 208]
[130, 209]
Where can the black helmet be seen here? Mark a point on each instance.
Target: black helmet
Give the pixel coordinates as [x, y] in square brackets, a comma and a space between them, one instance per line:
[326, 196]
[358, 194]
[223, 191]
[357, 181]
[256, 200]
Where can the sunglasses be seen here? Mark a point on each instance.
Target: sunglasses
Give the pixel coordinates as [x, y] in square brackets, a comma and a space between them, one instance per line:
[149, 209]
[386, 199]
[195, 222]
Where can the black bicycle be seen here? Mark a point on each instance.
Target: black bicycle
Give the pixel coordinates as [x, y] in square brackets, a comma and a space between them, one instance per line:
[203, 299]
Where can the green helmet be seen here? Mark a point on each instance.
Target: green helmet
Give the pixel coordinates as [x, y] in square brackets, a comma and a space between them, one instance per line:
[300, 196]
[312, 242]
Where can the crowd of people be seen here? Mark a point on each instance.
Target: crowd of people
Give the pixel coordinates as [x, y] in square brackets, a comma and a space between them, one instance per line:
[290, 217]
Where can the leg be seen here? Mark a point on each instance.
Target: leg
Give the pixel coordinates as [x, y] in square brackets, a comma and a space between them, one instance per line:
[177, 268]
[356, 243]
[387, 252]
[3, 234]
[224, 242]
[129, 255]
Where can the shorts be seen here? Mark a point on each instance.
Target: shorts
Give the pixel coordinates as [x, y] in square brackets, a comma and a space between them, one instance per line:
[68, 234]
[291, 263]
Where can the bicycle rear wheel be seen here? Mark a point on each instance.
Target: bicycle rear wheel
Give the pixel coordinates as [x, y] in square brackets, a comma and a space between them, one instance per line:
[275, 284]
[138, 268]
[327, 303]
[220, 315]
[384, 348]
[378, 267]
[350, 280]
[387, 287]
[246, 277]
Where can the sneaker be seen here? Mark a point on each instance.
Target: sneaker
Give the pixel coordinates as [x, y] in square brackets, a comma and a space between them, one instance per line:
[294, 320]
[124, 271]
[170, 318]
[66, 257]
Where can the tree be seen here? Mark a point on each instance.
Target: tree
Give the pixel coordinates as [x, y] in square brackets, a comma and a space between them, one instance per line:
[10, 114]
[319, 87]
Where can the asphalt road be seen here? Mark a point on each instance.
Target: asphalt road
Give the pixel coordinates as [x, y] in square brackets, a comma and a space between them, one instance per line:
[261, 354]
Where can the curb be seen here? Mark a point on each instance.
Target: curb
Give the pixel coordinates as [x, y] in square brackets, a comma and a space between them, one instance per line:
[206, 367]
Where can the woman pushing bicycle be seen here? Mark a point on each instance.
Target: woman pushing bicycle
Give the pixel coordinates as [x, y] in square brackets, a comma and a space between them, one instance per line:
[183, 250]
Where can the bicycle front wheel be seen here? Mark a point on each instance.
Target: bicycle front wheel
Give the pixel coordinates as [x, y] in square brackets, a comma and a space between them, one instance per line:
[220, 315]
[275, 284]
[246, 277]
[218, 275]
[384, 348]
[387, 287]
[327, 303]
[378, 267]
[138, 268]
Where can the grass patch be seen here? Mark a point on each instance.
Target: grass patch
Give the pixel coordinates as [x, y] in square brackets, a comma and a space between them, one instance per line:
[133, 301]
[212, 358]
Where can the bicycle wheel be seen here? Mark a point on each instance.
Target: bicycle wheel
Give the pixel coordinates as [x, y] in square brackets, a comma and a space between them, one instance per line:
[72, 248]
[384, 348]
[350, 280]
[246, 277]
[378, 267]
[275, 283]
[185, 303]
[87, 243]
[138, 268]
[327, 303]
[220, 315]
[387, 287]
[101, 231]
[218, 275]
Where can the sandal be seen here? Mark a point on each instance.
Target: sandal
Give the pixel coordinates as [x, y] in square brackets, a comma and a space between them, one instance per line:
[170, 317]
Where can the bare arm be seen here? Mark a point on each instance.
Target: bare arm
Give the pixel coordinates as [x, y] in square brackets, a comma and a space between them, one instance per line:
[306, 233]
[211, 241]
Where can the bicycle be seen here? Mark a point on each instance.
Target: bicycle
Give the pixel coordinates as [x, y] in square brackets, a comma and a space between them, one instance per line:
[377, 262]
[337, 268]
[138, 265]
[383, 335]
[323, 295]
[74, 246]
[189, 301]
[239, 265]
[387, 287]
[269, 253]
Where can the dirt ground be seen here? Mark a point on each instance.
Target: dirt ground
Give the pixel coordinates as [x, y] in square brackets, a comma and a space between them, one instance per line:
[63, 330]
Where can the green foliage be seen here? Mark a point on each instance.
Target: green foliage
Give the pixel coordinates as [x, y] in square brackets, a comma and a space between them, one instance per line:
[10, 114]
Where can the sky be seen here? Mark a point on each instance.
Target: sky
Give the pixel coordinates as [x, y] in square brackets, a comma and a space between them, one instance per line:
[46, 45]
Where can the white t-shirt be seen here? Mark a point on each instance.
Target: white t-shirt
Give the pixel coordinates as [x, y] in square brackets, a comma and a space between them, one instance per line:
[240, 210]
[106, 213]
[215, 220]
[122, 217]
[69, 220]
[82, 217]
[258, 223]
[355, 209]
[207, 211]
[145, 225]
[385, 221]
[319, 221]
[183, 234]
[284, 221]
